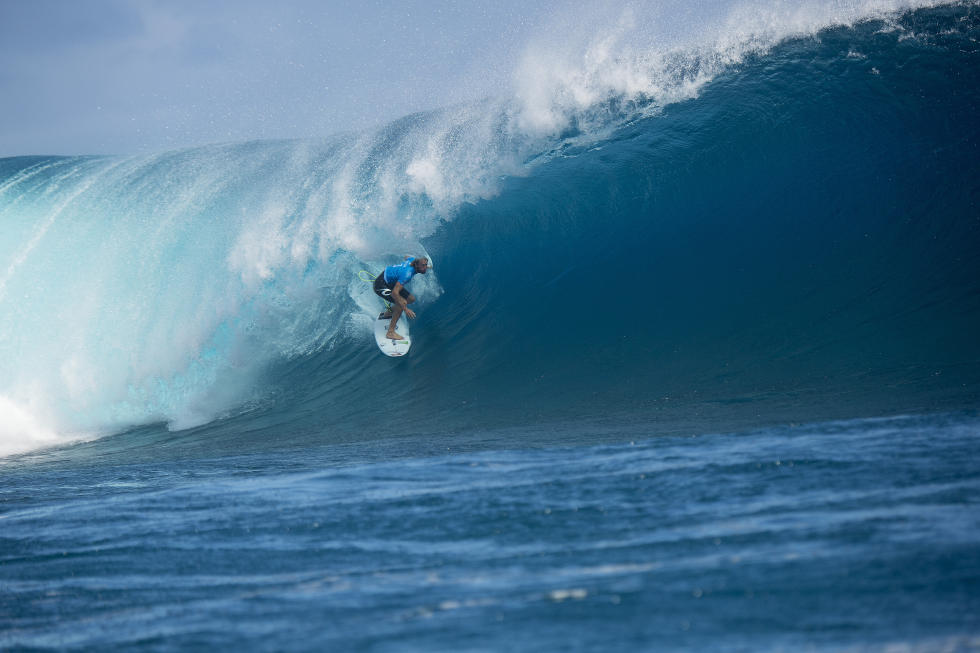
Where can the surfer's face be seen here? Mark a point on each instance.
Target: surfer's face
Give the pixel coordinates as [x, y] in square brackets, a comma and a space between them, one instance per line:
[421, 266]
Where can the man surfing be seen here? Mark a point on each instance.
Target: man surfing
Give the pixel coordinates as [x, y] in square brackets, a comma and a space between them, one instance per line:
[390, 286]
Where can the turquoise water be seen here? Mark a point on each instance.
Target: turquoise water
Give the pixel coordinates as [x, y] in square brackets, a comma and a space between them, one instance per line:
[697, 368]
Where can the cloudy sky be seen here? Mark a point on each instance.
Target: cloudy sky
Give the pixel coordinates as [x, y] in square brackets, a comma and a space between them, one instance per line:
[124, 76]
[130, 76]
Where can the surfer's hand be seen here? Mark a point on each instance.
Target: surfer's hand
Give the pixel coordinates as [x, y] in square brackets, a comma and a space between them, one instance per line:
[410, 313]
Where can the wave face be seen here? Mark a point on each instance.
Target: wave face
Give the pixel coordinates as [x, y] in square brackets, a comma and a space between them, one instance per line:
[781, 226]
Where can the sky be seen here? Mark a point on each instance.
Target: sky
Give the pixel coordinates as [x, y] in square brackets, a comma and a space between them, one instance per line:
[130, 76]
[138, 76]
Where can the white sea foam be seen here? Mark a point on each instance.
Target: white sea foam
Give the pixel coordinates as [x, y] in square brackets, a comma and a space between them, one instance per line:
[660, 53]
[22, 431]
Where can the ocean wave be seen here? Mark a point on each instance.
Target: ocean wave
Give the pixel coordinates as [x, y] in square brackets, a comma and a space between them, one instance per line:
[716, 216]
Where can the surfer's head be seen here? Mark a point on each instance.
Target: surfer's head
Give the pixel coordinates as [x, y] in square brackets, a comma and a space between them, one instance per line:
[421, 264]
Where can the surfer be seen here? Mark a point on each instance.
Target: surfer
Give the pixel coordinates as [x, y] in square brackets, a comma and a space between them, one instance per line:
[390, 286]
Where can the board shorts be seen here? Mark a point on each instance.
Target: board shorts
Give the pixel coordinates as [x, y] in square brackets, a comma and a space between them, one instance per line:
[383, 290]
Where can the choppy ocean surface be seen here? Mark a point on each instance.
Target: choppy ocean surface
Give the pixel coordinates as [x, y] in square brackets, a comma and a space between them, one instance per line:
[853, 535]
[697, 368]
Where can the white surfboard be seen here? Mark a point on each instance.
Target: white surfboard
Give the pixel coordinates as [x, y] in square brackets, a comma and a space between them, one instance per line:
[388, 346]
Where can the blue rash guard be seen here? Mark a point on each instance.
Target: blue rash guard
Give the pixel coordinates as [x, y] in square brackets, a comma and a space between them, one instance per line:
[400, 273]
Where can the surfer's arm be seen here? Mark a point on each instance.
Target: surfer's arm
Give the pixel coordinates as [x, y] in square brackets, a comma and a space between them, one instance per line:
[396, 293]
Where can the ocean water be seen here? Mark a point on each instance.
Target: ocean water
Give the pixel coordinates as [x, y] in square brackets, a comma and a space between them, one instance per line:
[697, 367]
[853, 535]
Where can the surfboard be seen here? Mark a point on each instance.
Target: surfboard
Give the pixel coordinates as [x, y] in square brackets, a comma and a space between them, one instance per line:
[388, 346]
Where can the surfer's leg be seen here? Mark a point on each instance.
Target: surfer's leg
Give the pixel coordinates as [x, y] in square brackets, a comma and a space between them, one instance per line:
[396, 312]
[382, 290]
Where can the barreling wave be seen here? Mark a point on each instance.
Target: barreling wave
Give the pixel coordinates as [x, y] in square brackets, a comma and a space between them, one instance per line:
[778, 215]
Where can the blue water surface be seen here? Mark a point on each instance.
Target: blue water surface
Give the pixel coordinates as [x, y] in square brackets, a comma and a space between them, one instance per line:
[853, 535]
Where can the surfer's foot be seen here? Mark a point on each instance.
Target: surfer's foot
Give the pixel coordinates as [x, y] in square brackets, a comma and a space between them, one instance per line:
[385, 316]
[391, 335]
